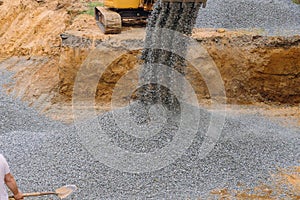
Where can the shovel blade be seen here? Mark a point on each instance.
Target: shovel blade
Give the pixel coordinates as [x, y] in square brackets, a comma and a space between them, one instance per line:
[65, 191]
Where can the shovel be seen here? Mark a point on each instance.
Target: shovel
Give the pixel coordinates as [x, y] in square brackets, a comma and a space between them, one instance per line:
[62, 192]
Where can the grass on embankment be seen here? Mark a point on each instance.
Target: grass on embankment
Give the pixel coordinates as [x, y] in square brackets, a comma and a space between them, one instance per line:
[296, 1]
[91, 6]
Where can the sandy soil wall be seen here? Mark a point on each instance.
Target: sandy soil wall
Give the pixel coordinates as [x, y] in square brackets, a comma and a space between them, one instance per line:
[254, 68]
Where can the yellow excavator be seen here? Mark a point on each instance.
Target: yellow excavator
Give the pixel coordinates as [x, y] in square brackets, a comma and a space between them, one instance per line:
[109, 18]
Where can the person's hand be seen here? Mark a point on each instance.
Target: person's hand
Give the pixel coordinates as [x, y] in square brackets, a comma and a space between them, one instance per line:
[19, 196]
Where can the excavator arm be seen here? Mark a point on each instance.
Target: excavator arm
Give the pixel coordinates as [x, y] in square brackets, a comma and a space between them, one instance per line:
[186, 1]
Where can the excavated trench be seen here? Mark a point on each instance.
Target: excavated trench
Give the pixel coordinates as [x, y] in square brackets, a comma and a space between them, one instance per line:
[254, 68]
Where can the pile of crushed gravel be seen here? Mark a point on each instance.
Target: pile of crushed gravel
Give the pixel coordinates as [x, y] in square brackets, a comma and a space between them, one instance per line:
[274, 17]
[45, 155]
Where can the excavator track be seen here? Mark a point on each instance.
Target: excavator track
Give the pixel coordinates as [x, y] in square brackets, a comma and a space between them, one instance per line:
[109, 22]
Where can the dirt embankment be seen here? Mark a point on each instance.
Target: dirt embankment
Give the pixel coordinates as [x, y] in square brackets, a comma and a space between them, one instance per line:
[32, 27]
[254, 68]
[257, 68]
[31, 44]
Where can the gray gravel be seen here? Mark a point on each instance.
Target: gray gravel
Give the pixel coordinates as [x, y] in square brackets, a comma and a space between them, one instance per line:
[274, 17]
[45, 155]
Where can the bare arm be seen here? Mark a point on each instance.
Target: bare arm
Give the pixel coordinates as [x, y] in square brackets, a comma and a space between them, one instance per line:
[12, 185]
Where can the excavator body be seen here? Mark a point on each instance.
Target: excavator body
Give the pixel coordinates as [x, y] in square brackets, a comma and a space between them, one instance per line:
[121, 4]
[110, 17]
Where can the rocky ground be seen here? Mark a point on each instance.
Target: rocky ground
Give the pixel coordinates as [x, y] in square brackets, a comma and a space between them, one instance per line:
[274, 17]
[45, 154]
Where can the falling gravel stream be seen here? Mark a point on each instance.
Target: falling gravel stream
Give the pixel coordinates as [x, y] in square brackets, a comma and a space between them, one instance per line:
[176, 17]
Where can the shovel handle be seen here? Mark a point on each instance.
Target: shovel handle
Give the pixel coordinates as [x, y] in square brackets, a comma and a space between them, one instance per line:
[36, 194]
